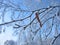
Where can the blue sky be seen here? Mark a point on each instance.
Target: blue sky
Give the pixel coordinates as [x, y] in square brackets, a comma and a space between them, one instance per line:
[25, 5]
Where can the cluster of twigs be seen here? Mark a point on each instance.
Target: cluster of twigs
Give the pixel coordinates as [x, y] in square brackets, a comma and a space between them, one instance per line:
[34, 12]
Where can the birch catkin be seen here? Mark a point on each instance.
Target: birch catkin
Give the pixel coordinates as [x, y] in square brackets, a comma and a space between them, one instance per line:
[37, 17]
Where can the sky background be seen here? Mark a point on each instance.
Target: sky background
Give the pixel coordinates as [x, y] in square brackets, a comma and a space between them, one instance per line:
[25, 5]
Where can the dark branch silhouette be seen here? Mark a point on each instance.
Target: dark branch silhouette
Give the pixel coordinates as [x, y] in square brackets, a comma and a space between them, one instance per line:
[55, 38]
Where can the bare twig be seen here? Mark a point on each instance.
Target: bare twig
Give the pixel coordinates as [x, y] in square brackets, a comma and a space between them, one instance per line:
[55, 39]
